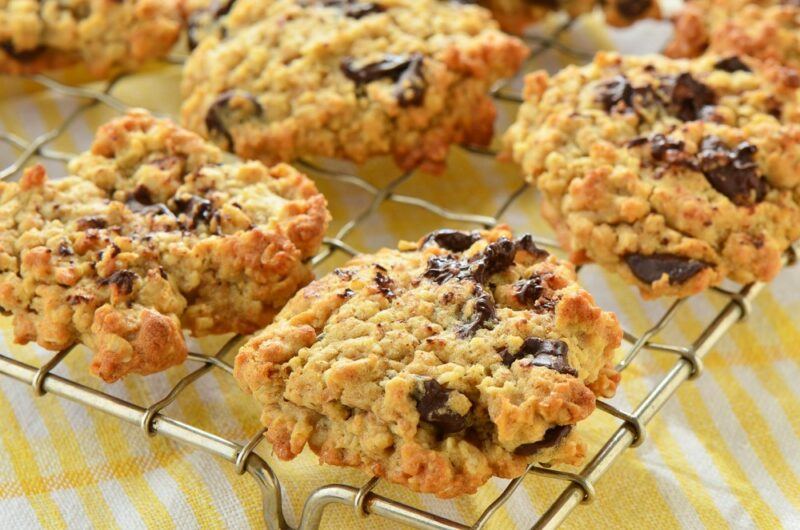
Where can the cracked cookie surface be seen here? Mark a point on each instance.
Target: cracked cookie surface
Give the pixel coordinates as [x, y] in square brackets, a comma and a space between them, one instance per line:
[437, 365]
[283, 79]
[767, 30]
[106, 35]
[152, 233]
[673, 173]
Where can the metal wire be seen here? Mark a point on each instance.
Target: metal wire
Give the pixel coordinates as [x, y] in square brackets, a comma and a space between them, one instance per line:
[578, 488]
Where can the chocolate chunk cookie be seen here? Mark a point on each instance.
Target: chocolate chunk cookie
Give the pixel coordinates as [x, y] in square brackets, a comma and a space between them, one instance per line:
[153, 233]
[283, 79]
[105, 35]
[674, 173]
[515, 15]
[433, 365]
[766, 30]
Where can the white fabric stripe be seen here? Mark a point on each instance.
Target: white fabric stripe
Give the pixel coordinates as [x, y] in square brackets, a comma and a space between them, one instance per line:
[17, 513]
[704, 467]
[71, 508]
[169, 493]
[789, 369]
[125, 513]
[665, 479]
[223, 496]
[735, 439]
[519, 506]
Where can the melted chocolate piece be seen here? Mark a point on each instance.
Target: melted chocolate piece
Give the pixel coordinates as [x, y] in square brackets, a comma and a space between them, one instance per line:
[633, 9]
[689, 98]
[92, 221]
[142, 195]
[615, 91]
[220, 114]
[529, 291]
[732, 172]
[64, 249]
[123, 279]
[432, 407]
[732, 64]
[546, 353]
[354, 8]
[346, 294]
[198, 209]
[24, 56]
[664, 148]
[551, 438]
[527, 244]
[452, 240]
[650, 268]
[549, 4]
[152, 209]
[385, 285]
[483, 314]
[404, 70]
[216, 10]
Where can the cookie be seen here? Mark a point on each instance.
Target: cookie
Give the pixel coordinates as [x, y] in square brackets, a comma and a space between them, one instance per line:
[673, 173]
[767, 30]
[152, 233]
[353, 80]
[437, 365]
[105, 35]
[516, 15]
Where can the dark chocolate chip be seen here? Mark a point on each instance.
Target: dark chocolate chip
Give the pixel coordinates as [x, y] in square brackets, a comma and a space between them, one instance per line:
[527, 244]
[343, 274]
[123, 279]
[452, 240]
[551, 438]
[23, 56]
[432, 407]
[483, 314]
[632, 9]
[355, 8]
[347, 293]
[198, 209]
[221, 115]
[92, 221]
[732, 172]
[385, 285]
[732, 64]
[615, 91]
[552, 354]
[162, 272]
[528, 291]
[404, 70]
[689, 98]
[552, 5]
[142, 194]
[496, 257]
[64, 249]
[198, 20]
[650, 268]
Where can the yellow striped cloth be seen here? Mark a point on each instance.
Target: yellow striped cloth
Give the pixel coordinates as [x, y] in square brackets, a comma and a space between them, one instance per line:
[724, 452]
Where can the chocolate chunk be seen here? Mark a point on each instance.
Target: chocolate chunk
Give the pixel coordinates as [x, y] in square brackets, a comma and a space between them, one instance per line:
[633, 9]
[92, 221]
[142, 194]
[385, 285]
[527, 244]
[689, 98]
[551, 438]
[404, 70]
[64, 249]
[233, 106]
[546, 353]
[346, 294]
[432, 407]
[732, 172]
[615, 91]
[23, 56]
[354, 8]
[732, 64]
[664, 148]
[528, 291]
[496, 257]
[123, 279]
[197, 20]
[650, 268]
[343, 274]
[198, 209]
[453, 240]
[552, 5]
[483, 314]
[152, 209]
[162, 272]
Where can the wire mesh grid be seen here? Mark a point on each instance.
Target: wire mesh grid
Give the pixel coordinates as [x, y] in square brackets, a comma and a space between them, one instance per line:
[578, 487]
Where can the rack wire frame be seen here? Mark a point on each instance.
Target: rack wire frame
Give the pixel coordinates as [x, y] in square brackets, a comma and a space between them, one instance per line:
[577, 487]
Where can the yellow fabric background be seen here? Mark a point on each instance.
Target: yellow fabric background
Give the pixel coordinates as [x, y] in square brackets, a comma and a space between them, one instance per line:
[725, 452]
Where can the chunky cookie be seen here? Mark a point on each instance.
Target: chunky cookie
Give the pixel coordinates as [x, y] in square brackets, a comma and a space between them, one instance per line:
[153, 233]
[673, 173]
[104, 34]
[283, 79]
[438, 365]
[515, 15]
[767, 30]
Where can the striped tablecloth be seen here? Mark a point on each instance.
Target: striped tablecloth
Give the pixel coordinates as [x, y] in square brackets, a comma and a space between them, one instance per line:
[724, 452]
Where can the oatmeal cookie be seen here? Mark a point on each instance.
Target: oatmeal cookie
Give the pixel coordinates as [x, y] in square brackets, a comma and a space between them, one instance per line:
[438, 365]
[284, 79]
[673, 173]
[106, 35]
[767, 30]
[152, 233]
[515, 15]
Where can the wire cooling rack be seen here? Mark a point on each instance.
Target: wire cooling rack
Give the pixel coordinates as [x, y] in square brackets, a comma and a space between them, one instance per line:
[630, 430]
